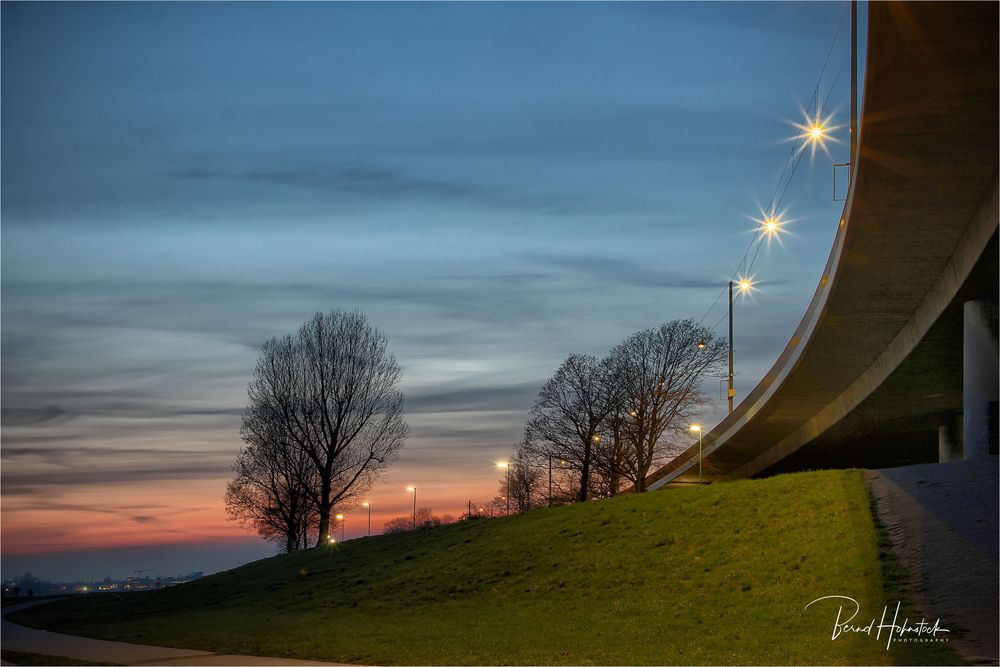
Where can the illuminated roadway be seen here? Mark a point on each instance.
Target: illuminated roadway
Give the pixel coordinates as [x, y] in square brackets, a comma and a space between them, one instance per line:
[875, 367]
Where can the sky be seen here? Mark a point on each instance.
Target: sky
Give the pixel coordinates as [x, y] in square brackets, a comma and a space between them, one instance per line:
[496, 185]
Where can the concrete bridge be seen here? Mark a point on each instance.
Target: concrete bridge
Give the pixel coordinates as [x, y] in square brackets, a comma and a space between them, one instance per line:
[895, 359]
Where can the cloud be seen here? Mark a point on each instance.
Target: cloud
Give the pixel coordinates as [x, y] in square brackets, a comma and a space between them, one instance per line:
[355, 178]
[32, 416]
[64, 507]
[357, 181]
[121, 406]
[61, 455]
[621, 271]
[196, 468]
[473, 399]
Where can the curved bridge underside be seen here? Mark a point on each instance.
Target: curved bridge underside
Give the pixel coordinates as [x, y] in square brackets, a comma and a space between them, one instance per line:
[876, 362]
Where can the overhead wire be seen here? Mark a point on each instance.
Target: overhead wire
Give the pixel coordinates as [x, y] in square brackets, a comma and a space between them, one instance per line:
[794, 158]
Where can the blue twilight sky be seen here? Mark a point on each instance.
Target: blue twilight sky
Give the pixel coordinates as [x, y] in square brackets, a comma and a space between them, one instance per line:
[497, 185]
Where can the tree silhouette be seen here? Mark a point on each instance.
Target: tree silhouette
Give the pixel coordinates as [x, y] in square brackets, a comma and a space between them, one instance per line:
[660, 371]
[270, 487]
[567, 416]
[329, 391]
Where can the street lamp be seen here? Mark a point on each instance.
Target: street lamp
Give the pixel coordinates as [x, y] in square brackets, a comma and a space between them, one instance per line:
[744, 284]
[368, 505]
[343, 526]
[697, 428]
[771, 225]
[413, 490]
[504, 465]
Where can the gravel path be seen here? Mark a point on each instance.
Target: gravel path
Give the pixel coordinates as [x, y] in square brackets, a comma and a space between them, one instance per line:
[942, 520]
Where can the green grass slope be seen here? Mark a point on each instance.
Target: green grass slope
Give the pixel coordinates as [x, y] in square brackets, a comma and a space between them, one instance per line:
[716, 575]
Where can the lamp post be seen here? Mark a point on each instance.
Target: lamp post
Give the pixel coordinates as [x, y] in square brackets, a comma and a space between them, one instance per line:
[504, 465]
[561, 462]
[550, 480]
[343, 526]
[697, 428]
[744, 285]
[413, 490]
[731, 392]
[368, 505]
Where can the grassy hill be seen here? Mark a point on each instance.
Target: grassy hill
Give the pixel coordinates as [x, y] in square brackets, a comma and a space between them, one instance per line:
[716, 575]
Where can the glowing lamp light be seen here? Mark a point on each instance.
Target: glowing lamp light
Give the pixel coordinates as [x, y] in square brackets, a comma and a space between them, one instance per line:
[503, 465]
[701, 345]
[695, 427]
[745, 284]
[340, 517]
[597, 438]
[817, 132]
[365, 505]
[411, 489]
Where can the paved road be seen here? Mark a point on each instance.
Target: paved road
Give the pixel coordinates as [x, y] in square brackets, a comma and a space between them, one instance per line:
[20, 638]
[942, 523]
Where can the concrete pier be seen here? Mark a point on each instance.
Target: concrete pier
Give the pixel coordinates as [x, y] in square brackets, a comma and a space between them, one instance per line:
[980, 373]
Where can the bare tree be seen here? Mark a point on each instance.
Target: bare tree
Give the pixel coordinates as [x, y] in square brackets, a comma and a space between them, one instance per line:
[614, 455]
[660, 371]
[331, 390]
[566, 419]
[270, 489]
[522, 482]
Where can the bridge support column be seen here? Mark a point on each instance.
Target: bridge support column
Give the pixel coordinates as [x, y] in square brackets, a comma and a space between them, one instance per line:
[979, 380]
[950, 438]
